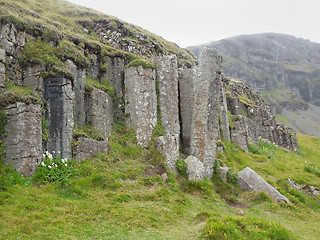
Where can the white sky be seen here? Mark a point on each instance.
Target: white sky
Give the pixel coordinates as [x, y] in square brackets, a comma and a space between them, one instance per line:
[187, 22]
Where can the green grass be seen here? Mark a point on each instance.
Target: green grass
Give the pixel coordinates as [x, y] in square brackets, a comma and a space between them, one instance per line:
[141, 62]
[113, 196]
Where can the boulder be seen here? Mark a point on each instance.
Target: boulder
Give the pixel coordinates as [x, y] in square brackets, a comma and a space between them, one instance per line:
[195, 168]
[249, 180]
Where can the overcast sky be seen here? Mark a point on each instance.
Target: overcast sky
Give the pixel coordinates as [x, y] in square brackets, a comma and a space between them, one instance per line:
[187, 22]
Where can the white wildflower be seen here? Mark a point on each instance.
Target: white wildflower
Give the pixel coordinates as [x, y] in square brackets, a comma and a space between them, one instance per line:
[42, 164]
[66, 165]
[43, 156]
[49, 166]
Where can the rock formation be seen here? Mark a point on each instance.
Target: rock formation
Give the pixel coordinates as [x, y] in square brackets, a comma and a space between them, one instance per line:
[194, 107]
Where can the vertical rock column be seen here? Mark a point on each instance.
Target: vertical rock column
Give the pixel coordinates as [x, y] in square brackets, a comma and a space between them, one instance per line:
[141, 102]
[167, 80]
[79, 83]
[223, 114]
[24, 137]
[187, 80]
[114, 74]
[205, 98]
[59, 96]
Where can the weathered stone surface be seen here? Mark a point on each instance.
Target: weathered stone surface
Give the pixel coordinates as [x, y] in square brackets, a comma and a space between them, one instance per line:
[168, 95]
[99, 111]
[8, 38]
[223, 173]
[169, 147]
[32, 77]
[2, 69]
[14, 70]
[205, 122]
[195, 168]
[249, 180]
[87, 148]
[24, 137]
[59, 96]
[187, 80]
[141, 102]
[78, 88]
[94, 67]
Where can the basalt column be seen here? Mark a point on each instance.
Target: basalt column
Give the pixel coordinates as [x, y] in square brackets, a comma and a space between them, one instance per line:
[167, 90]
[59, 97]
[204, 102]
[141, 102]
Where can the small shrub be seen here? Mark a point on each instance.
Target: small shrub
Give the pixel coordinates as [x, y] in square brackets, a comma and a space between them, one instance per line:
[181, 167]
[54, 169]
[141, 62]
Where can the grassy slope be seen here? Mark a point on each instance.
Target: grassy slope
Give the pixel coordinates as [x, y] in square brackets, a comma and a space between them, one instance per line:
[114, 197]
[56, 19]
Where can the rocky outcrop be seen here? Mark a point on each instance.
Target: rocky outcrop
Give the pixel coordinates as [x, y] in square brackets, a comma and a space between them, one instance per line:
[99, 111]
[205, 109]
[168, 96]
[249, 180]
[59, 96]
[252, 119]
[86, 148]
[23, 139]
[141, 102]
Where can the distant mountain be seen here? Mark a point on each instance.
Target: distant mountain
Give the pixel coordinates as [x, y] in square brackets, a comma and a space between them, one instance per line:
[284, 68]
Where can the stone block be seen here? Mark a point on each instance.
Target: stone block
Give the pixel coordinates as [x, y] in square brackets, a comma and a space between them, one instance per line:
[249, 180]
[223, 173]
[195, 168]
[23, 143]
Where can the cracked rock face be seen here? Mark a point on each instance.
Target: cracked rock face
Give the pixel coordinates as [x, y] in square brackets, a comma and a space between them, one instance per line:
[141, 102]
[59, 97]
[24, 137]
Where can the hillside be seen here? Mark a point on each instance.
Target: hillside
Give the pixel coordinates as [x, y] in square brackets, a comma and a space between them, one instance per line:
[285, 69]
[109, 131]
